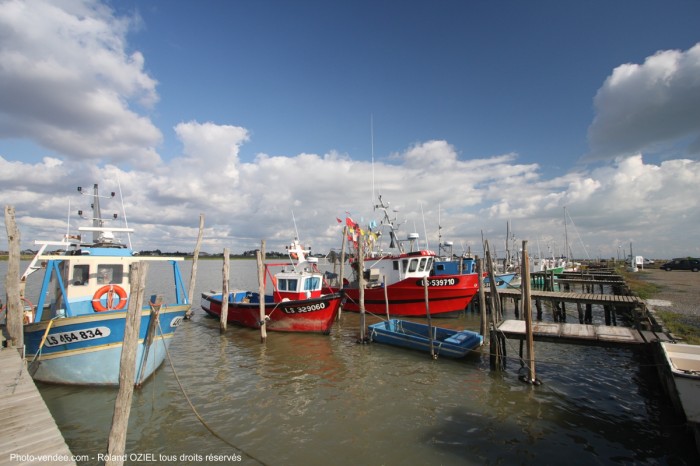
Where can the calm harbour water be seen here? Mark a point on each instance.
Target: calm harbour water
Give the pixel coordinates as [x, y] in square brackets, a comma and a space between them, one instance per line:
[313, 399]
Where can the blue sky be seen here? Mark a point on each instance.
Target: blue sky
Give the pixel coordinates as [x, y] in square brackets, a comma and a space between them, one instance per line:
[247, 111]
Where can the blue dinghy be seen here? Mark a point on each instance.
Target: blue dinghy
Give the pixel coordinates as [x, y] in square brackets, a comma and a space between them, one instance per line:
[414, 335]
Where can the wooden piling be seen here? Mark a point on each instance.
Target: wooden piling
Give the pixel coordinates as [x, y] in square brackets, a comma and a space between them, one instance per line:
[127, 367]
[261, 291]
[195, 257]
[495, 300]
[482, 296]
[430, 321]
[14, 312]
[527, 313]
[223, 317]
[155, 303]
[386, 297]
[361, 285]
[341, 278]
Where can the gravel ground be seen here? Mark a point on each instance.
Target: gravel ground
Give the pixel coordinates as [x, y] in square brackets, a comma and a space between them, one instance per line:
[679, 290]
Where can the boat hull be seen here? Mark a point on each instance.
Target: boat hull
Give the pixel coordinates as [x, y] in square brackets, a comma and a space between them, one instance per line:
[446, 294]
[86, 349]
[315, 315]
[414, 335]
[684, 370]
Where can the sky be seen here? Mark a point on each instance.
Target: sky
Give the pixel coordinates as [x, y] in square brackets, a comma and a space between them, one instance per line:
[564, 120]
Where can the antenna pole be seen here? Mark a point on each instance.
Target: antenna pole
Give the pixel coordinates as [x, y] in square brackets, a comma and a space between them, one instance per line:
[126, 223]
[371, 132]
[296, 232]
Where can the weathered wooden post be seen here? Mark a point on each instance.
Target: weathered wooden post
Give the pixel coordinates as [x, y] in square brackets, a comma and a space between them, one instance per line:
[127, 367]
[386, 297]
[482, 296]
[225, 270]
[430, 321]
[155, 303]
[195, 257]
[493, 291]
[341, 278]
[14, 311]
[361, 285]
[527, 313]
[261, 291]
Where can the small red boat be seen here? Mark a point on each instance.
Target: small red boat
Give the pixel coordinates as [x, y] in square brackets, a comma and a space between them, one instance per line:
[398, 280]
[297, 303]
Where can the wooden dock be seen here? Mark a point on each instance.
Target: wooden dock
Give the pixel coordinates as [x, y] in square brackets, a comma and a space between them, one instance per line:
[582, 298]
[579, 334]
[28, 432]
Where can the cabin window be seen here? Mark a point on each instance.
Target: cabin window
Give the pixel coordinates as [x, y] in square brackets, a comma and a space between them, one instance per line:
[287, 284]
[413, 265]
[81, 275]
[396, 265]
[312, 284]
[440, 267]
[110, 274]
[405, 265]
[423, 261]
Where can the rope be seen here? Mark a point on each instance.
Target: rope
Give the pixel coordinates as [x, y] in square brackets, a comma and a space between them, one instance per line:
[43, 341]
[196, 413]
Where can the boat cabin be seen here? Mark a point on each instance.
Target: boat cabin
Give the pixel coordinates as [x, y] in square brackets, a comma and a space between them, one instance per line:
[295, 285]
[416, 264]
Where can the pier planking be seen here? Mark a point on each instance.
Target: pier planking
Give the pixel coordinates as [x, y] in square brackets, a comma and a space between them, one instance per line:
[582, 334]
[28, 432]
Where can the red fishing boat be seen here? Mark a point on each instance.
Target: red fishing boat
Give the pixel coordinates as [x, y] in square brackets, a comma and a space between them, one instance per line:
[397, 280]
[298, 302]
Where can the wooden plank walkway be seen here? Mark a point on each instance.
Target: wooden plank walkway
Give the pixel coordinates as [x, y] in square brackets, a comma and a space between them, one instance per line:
[584, 298]
[579, 334]
[28, 432]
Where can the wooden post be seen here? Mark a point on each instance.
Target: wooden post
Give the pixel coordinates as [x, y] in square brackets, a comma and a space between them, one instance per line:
[341, 283]
[386, 297]
[493, 293]
[14, 313]
[430, 321]
[361, 285]
[155, 303]
[261, 291]
[527, 313]
[482, 296]
[195, 257]
[127, 366]
[579, 308]
[588, 318]
[223, 317]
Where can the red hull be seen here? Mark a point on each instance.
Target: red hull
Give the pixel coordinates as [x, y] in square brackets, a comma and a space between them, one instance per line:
[308, 315]
[446, 294]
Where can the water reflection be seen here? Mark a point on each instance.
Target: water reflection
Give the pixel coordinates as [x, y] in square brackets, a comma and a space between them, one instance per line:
[314, 399]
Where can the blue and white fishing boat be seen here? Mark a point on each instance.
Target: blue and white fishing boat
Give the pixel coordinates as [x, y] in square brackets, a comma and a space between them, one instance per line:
[74, 335]
[415, 335]
[448, 264]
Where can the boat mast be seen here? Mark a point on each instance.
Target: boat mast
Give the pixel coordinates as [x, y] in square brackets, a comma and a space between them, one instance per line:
[566, 238]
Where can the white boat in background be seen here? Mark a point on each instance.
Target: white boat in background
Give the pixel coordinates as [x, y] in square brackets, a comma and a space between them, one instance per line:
[684, 365]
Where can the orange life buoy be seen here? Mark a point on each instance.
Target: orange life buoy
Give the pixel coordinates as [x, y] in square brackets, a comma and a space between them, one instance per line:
[109, 290]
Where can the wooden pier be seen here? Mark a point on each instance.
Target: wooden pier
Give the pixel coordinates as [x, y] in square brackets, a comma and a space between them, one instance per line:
[28, 432]
[578, 334]
[581, 298]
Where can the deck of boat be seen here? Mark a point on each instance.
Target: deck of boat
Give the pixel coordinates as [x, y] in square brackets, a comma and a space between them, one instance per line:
[28, 432]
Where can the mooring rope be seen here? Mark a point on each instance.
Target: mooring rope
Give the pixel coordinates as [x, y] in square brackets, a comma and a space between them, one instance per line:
[196, 413]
